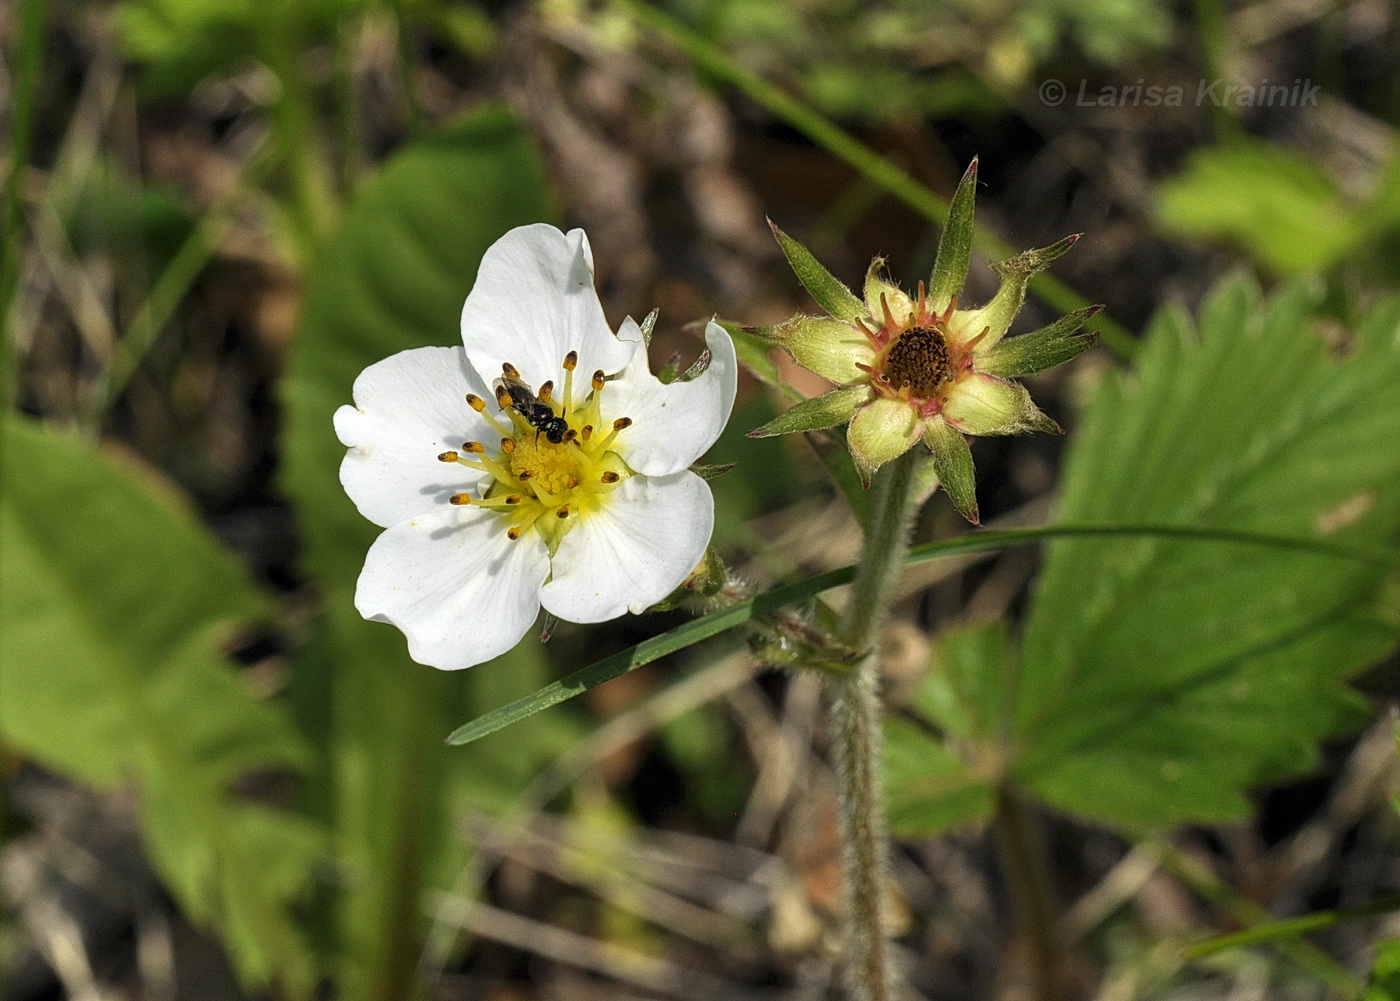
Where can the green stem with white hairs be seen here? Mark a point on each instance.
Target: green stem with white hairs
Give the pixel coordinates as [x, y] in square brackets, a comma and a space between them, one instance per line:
[858, 737]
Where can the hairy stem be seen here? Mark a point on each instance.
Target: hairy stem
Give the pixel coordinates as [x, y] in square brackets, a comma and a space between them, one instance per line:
[858, 737]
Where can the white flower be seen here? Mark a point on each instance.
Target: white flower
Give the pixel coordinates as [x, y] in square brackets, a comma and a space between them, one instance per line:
[490, 513]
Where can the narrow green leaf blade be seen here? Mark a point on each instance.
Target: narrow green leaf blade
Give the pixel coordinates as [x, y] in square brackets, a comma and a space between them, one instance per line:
[976, 542]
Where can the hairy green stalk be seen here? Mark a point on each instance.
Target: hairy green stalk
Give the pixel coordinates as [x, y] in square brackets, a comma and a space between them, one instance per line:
[858, 737]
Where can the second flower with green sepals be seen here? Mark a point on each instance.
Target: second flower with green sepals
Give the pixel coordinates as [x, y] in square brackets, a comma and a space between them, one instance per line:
[916, 367]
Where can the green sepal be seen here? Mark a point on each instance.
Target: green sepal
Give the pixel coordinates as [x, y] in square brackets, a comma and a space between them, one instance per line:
[697, 367]
[831, 348]
[704, 582]
[1016, 273]
[1041, 349]
[711, 471]
[827, 410]
[648, 326]
[955, 244]
[952, 459]
[838, 301]
[798, 638]
[781, 651]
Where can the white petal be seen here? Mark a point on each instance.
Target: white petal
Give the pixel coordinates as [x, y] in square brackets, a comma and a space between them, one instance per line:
[673, 425]
[533, 303]
[635, 550]
[458, 588]
[409, 408]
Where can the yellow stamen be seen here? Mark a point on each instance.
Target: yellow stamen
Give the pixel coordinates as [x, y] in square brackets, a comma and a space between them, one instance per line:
[544, 495]
[508, 501]
[448, 457]
[507, 445]
[618, 425]
[491, 466]
[496, 425]
[610, 477]
[516, 530]
[510, 371]
[476, 402]
[473, 446]
[546, 389]
[597, 380]
[587, 432]
[570, 363]
[562, 513]
[460, 499]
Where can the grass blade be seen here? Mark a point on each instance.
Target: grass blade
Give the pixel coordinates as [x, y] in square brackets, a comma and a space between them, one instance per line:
[703, 628]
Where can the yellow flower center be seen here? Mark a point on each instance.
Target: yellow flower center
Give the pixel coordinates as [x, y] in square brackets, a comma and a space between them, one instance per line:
[554, 468]
[555, 461]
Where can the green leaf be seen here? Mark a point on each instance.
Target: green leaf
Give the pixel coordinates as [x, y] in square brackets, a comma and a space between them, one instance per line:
[116, 603]
[1280, 207]
[1385, 973]
[931, 787]
[934, 777]
[839, 302]
[394, 278]
[179, 42]
[1162, 678]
